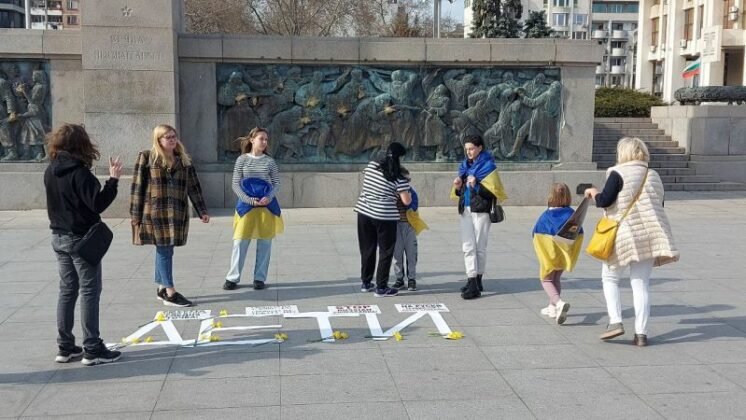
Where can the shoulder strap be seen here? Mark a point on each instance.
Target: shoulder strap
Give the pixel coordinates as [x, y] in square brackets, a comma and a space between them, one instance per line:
[637, 196]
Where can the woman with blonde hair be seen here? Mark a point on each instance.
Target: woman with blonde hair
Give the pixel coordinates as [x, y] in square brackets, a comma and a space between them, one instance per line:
[256, 181]
[163, 182]
[633, 197]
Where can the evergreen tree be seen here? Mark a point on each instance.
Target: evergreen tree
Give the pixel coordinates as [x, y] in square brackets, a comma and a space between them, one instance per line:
[486, 15]
[535, 26]
[496, 18]
[508, 24]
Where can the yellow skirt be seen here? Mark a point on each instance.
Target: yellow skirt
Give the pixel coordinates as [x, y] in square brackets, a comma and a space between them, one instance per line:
[259, 223]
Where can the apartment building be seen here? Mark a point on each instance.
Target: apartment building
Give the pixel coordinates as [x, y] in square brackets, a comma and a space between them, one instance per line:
[701, 39]
[12, 14]
[611, 22]
[55, 14]
[614, 24]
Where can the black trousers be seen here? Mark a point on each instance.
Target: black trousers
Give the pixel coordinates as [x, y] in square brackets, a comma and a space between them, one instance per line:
[372, 234]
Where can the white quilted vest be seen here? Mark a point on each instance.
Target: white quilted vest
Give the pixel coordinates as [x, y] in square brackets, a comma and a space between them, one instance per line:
[645, 233]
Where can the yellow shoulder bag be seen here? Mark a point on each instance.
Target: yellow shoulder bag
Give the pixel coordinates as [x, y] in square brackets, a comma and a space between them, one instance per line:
[602, 242]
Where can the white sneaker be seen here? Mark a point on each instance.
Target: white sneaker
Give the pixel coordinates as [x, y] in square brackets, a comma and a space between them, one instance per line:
[561, 311]
[549, 311]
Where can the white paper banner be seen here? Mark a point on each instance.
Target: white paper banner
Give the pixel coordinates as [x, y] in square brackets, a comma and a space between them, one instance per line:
[184, 315]
[271, 310]
[421, 307]
[354, 309]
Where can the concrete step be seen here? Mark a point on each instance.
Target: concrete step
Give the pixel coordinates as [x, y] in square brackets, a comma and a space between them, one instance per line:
[658, 142]
[654, 157]
[658, 149]
[646, 138]
[705, 186]
[621, 126]
[655, 165]
[621, 120]
[693, 179]
[675, 171]
[637, 132]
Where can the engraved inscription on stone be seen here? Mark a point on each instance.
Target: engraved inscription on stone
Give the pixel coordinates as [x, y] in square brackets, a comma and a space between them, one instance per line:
[128, 46]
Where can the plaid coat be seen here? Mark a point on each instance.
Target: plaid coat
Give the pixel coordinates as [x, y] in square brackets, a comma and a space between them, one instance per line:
[159, 201]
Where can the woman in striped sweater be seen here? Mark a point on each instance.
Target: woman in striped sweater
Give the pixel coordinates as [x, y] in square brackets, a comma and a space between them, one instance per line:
[378, 216]
[256, 181]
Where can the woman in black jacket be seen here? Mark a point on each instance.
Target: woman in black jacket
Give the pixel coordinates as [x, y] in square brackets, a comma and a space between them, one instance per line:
[477, 186]
[75, 201]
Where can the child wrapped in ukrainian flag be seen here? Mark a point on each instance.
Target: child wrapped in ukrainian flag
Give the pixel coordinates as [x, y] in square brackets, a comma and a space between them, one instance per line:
[556, 256]
[410, 225]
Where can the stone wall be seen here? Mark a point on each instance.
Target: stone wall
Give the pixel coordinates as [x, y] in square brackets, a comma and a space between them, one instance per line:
[713, 135]
[129, 69]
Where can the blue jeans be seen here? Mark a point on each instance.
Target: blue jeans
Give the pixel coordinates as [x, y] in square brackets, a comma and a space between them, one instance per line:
[164, 265]
[76, 276]
[238, 257]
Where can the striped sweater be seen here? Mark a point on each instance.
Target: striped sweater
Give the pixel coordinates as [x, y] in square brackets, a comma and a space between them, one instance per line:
[378, 196]
[250, 166]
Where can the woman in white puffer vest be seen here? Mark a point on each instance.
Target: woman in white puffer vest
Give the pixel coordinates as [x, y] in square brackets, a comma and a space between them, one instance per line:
[643, 239]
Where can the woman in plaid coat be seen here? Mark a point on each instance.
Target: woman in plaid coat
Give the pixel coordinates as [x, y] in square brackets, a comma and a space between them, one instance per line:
[162, 181]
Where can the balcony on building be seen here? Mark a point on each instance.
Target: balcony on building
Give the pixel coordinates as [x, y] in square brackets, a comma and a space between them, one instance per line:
[617, 69]
[600, 69]
[618, 52]
[619, 34]
[599, 34]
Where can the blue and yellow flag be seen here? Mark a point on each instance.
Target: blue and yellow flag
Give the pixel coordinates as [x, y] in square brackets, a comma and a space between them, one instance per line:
[257, 222]
[413, 216]
[554, 255]
[485, 171]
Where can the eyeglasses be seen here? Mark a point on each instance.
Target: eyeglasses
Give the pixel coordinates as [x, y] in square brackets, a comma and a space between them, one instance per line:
[170, 137]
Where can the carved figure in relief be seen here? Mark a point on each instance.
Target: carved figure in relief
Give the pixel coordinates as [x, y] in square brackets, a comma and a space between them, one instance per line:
[285, 127]
[33, 121]
[436, 130]
[8, 116]
[460, 89]
[240, 116]
[541, 128]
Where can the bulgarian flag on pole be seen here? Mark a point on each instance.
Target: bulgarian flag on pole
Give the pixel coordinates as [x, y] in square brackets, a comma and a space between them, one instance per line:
[691, 70]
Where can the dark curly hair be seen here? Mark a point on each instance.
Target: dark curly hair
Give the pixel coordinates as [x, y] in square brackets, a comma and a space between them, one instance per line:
[73, 139]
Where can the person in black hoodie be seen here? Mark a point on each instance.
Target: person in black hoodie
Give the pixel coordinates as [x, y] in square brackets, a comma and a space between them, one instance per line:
[75, 201]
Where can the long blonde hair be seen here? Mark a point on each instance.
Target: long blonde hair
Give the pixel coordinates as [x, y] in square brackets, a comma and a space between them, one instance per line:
[246, 144]
[157, 154]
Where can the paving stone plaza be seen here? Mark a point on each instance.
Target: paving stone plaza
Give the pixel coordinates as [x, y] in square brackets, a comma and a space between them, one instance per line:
[511, 363]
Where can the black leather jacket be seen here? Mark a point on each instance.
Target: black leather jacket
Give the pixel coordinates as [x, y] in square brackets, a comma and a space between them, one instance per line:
[480, 202]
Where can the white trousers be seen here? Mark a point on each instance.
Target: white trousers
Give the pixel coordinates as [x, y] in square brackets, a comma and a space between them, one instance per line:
[639, 278]
[475, 230]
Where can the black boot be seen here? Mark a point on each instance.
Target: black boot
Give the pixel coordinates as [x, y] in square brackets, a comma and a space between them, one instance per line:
[465, 287]
[479, 283]
[473, 291]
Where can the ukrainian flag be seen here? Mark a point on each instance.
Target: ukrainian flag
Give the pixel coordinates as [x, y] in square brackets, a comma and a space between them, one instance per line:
[554, 255]
[258, 222]
[413, 217]
[484, 169]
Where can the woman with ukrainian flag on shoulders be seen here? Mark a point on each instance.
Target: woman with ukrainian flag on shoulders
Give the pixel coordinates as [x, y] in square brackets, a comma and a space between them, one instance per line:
[256, 181]
[476, 188]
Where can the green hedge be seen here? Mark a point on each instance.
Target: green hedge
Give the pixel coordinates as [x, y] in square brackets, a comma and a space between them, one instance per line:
[618, 102]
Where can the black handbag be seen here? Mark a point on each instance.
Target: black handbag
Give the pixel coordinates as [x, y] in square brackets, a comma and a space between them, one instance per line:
[93, 245]
[497, 214]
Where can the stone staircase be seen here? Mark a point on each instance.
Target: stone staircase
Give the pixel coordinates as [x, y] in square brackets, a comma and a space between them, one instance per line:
[666, 156]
